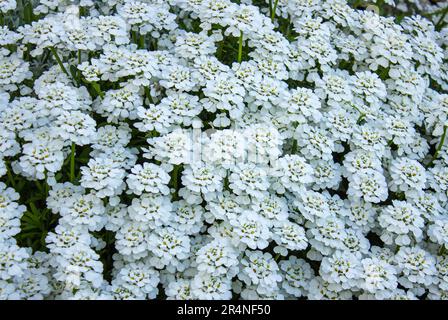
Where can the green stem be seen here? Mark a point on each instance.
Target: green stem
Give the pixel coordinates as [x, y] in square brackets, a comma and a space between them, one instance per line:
[141, 41]
[39, 186]
[226, 182]
[174, 176]
[134, 36]
[154, 44]
[273, 11]
[439, 147]
[72, 163]
[288, 28]
[11, 179]
[220, 50]
[380, 5]
[175, 180]
[148, 94]
[79, 62]
[28, 12]
[82, 11]
[442, 18]
[240, 48]
[361, 117]
[59, 61]
[46, 186]
[294, 147]
[20, 7]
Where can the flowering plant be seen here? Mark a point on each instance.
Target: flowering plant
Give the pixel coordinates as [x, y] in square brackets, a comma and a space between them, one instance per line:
[218, 149]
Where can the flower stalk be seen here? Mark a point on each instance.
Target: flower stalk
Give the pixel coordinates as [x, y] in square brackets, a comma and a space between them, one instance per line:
[274, 8]
[58, 60]
[28, 12]
[240, 47]
[72, 162]
[11, 178]
[439, 147]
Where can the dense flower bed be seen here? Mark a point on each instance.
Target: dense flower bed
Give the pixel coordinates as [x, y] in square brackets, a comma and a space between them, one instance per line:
[217, 149]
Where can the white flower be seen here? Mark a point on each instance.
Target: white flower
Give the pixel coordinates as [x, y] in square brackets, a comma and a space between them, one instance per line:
[399, 221]
[288, 236]
[9, 146]
[359, 215]
[342, 271]
[10, 212]
[327, 174]
[174, 147]
[102, 175]
[368, 184]
[67, 238]
[148, 178]
[320, 290]
[111, 136]
[358, 160]
[40, 158]
[260, 269]
[438, 231]
[179, 289]
[326, 234]
[14, 71]
[189, 45]
[139, 275]
[218, 258]
[183, 107]
[208, 136]
[224, 93]
[12, 260]
[168, 247]
[335, 86]
[225, 148]
[202, 179]
[155, 118]
[207, 286]
[271, 208]
[370, 137]
[187, 218]
[416, 266]
[84, 211]
[132, 240]
[251, 230]
[250, 179]
[116, 216]
[407, 175]
[76, 127]
[177, 77]
[378, 278]
[151, 209]
[225, 205]
[293, 173]
[314, 143]
[297, 275]
[312, 205]
[120, 104]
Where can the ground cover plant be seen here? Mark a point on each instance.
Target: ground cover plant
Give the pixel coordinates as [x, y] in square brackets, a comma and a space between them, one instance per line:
[217, 149]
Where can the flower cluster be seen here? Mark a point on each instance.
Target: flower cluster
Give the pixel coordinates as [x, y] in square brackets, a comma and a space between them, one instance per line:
[218, 149]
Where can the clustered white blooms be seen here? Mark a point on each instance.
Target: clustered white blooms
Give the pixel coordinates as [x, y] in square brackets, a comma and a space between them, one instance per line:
[212, 149]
